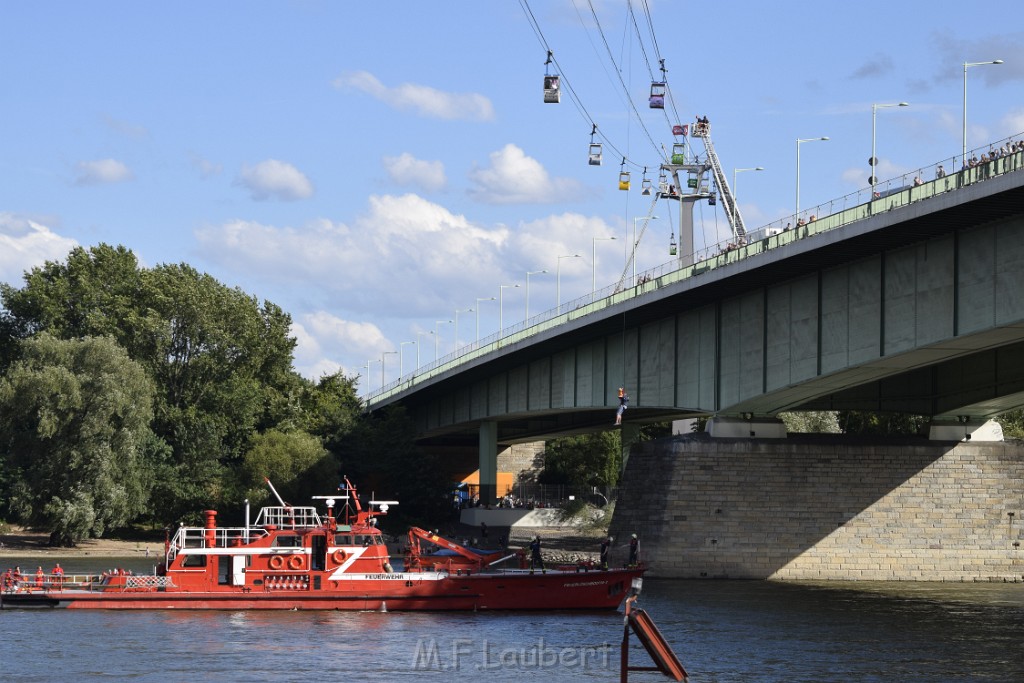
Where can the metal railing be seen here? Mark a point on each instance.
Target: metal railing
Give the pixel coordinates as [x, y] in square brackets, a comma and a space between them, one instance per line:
[896, 192]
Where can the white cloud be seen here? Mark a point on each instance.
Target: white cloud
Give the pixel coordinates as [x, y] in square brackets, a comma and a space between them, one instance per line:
[857, 177]
[321, 338]
[405, 252]
[273, 179]
[408, 170]
[205, 167]
[25, 244]
[514, 178]
[426, 101]
[1012, 123]
[101, 172]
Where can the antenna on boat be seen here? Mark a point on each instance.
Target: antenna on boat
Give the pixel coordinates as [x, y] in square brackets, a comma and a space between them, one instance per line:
[276, 494]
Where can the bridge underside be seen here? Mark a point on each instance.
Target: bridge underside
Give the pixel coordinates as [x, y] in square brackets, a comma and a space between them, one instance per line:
[919, 309]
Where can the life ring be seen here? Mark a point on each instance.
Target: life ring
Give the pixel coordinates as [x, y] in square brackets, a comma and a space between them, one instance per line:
[276, 562]
[338, 556]
[295, 562]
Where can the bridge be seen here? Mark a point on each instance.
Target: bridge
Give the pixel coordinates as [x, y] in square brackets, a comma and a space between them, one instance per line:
[909, 298]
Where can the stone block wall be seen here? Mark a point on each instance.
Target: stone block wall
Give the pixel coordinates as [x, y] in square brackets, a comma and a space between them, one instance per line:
[522, 459]
[826, 508]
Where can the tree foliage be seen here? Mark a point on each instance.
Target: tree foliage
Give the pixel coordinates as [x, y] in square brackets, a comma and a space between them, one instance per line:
[74, 435]
[381, 456]
[221, 361]
[583, 461]
[811, 422]
[888, 424]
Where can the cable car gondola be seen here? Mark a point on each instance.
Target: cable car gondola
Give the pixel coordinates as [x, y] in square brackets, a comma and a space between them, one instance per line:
[679, 153]
[552, 87]
[552, 91]
[658, 95]
[595, 156]
[624, 180]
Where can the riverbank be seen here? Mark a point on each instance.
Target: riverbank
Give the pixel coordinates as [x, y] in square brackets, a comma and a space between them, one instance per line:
[21, 542]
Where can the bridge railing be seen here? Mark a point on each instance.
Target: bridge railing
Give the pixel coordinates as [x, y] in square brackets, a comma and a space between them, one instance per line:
[900, 191]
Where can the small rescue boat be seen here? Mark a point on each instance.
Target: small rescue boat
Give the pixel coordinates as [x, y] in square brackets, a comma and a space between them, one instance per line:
[292, 558]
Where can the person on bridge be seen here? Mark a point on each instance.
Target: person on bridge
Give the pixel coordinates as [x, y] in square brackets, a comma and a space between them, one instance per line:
[623, 404]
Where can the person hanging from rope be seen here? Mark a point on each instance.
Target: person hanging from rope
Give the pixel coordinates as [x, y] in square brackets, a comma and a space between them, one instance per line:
[623, 404]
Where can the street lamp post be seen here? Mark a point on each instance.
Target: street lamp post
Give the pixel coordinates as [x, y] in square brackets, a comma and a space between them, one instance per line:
[382, 357]
[488, 298]
[873, 161]
[800, 140]
[501, 304]
[558, 280]
[401, 357]
[967, 65]
[735, 192]
[593, 263]
[457, 311]
[640, 218]
[528, 274]
[437, 334]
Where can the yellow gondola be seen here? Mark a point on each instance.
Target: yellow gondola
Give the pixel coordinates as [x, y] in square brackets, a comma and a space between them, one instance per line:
[624, 180]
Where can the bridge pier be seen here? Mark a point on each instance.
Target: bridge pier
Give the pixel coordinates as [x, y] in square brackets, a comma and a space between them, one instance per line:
[723, 427]
[630, 434]
[488, 462]
[965, 429]
[826, 507]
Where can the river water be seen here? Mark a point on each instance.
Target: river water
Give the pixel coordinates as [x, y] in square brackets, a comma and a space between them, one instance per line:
[722, 631]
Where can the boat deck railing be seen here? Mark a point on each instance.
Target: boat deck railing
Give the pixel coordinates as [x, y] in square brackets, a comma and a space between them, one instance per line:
[222, 537]
[289, 517]
[58, 582]
[919, 185]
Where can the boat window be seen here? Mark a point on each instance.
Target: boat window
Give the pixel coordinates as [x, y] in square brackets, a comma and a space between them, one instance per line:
[342, 539]
[194, 561]
[287, 541]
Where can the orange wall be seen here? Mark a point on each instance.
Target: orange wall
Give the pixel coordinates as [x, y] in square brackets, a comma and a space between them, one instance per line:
[506, 480]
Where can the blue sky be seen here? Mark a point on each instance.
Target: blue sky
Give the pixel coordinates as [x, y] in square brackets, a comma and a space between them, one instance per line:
[375, 167]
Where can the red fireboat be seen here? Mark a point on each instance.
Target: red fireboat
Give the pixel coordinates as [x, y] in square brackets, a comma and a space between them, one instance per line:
[291, 558]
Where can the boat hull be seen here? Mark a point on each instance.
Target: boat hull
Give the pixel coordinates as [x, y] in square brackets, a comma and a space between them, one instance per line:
[409, 591]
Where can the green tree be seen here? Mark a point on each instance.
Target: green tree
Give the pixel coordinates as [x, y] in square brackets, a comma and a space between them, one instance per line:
[74, 436]
[221, 361]
[583, 461]
[870, 423]
[295, 462]
[380, 455]
[812, 421]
